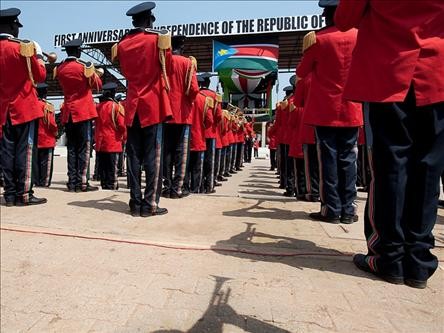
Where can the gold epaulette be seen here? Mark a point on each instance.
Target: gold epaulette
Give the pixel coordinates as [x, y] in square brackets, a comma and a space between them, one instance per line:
[309, 40]
[27, 48]
[209, 102]
[284, 104]
[50, 107]
[114, 55]
[219, 98]
[54, 73]
[88, 69]
[292, 107]
[164, 40]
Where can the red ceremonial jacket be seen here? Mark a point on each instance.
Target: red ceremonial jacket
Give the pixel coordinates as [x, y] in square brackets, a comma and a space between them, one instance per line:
[271, 136]
[202, 118]
[210, 133]
[18, 98]
[329, 61]
[294, 121]
[283, 131]
[47, 126]
[110, 127]
[225, 125]
[306, 132]
[400, 43]
[77, 87]
[184, 88]
[140, 61]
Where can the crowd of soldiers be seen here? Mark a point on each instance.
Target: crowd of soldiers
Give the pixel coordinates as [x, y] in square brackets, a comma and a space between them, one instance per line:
[186, 140]
[172, 126]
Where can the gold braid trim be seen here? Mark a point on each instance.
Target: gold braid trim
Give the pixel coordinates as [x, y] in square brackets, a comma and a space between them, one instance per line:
[47, 111]
[121, 110]
[114, 115]
[54, 73]
[190, 73]
[209, 103]
[27, 50]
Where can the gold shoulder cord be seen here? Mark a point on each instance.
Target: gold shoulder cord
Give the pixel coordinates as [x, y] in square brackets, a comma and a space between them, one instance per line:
[190, 73]
[48, 110]
[209, 103]
[27, 50]
[114, 55]
[164, 43]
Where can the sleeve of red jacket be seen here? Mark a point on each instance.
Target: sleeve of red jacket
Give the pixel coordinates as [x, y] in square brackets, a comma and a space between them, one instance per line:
[349, 13]
[308, 61]
[209, 119]
[194, 88]
[52, 126]
[95, 82]
[298, 97]
[121, 128]
[38, 69]
[218, 114]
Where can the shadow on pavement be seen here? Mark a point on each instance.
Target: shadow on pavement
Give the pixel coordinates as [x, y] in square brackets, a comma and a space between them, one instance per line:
[108, 203]
[309, 256]
[219, 313]
[256, 211]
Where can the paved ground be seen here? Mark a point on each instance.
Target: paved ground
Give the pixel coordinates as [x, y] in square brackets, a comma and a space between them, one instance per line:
[81, 264]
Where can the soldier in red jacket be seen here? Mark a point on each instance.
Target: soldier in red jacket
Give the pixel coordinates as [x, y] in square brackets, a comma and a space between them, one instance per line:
[21, 68]
[202, 118]
[308, 140]
[109, 133]
[210, 133]
[47, 134]
[183, 91]
[145, 60]
[327, 57]
[397, 70]
[77, 79]
[271, 140]
[224, 128]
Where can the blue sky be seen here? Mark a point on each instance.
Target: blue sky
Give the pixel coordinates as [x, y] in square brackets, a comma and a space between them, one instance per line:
[43, 19]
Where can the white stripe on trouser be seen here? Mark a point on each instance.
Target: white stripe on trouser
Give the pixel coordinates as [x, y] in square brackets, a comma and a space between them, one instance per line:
[213, 153]
[48, 168]
[201, 159]
[116, 163]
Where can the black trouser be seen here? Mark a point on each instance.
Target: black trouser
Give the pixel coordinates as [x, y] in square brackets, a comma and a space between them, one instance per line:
[233, 156]
[45, 158]
[176, 152]
[299, 177]
[17, 147]
[144, 149]
[273, 159]
[217, 159]
[121, 162]
[311, 168]
[337, 151]
[283, 164]
[248, 148]
[209, 161]
[228, 155]
[107, 171]
[223, 160]
[363, 169]
[291, 175]
[79, 150]
[406, 158]
[239, 155]
[193, 179]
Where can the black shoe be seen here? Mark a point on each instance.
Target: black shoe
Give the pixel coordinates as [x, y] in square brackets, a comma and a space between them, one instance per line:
[217, 184]
[134, 209]
[232, 171]
[87, 188]
[271, 169]
[349, 219]
[210, 191]
[167, 194]
[157, 211]
[32, 200]
[415, 283]
[441, 203]
[9, 203]
[281, 187]
[288, 194]
[238, 169]
[319, 217]
[221, 179]
[226, 174]
[361, 263]
[175, 195]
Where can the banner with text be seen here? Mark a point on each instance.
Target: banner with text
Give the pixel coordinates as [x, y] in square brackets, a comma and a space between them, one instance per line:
[208, 29]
